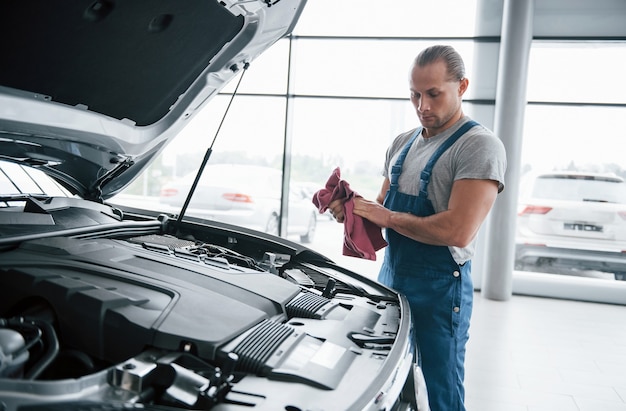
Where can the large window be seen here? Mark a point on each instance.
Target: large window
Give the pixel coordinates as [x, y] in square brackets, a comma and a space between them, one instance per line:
[573, 123]
[399, 18]
[335, 94]
[577, 72]
[576, 108]
[366, 68]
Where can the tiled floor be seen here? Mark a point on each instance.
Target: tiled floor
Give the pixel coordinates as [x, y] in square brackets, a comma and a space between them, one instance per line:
[541, 354]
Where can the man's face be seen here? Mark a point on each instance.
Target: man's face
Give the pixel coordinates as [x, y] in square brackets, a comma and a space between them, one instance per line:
[436, 98]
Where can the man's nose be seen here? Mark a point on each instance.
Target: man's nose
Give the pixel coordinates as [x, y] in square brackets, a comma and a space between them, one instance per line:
[422, 104]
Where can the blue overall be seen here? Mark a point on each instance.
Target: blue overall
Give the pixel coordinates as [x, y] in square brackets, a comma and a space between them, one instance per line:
[440, 291]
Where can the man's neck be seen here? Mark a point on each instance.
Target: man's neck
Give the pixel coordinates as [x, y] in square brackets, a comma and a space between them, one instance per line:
[431, 132]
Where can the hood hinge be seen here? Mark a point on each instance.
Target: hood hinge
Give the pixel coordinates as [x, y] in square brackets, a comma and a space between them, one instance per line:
[95, 191]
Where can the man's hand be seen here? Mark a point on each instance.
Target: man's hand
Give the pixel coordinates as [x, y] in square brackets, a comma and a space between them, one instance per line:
[367, 209]
[337, 210]
[372, 211]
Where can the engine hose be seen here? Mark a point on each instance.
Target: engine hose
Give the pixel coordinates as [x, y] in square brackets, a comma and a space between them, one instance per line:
[51, 343]
[18, 324]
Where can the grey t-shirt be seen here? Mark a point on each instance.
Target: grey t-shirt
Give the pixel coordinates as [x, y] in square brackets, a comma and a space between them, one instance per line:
[478, 154]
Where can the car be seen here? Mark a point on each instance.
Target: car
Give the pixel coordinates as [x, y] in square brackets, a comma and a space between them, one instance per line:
[572, 220]
[245, 195]
[309, 189]
[111, 306]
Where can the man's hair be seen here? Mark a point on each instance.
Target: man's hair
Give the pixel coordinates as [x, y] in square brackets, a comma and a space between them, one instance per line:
[452, 59]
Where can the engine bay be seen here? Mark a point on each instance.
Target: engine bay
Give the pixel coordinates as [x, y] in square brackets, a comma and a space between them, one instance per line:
[170, 320]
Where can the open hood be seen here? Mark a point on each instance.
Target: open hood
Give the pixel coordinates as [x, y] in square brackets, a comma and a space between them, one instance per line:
[91, 91]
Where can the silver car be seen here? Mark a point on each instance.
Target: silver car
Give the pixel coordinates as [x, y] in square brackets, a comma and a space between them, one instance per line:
[245, 195]
[572, 220]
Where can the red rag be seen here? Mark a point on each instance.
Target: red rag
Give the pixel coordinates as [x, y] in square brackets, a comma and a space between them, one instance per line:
[361, 238]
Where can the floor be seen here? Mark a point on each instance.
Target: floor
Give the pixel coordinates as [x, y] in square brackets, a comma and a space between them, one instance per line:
[542, 354]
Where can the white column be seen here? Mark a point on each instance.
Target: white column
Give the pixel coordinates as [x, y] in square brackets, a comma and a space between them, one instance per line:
[516, 38]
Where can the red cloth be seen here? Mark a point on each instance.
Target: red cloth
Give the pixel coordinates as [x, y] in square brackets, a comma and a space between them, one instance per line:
[361, 238]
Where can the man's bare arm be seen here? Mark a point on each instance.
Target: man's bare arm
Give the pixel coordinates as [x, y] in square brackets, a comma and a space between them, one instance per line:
[383, 191]
[470, 202]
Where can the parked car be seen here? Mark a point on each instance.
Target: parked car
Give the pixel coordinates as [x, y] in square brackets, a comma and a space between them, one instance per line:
[309, 189]
[574, 220]
[245, 195]
[113, 307]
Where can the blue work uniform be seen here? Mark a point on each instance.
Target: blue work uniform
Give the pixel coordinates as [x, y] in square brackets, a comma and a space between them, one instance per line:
[440, 291]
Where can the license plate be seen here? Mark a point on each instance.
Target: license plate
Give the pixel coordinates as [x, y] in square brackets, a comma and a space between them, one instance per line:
[583, 227]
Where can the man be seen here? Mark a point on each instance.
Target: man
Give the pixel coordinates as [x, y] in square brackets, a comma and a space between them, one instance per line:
[441, 180]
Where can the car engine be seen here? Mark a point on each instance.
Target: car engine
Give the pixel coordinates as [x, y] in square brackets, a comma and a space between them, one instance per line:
[163, 320]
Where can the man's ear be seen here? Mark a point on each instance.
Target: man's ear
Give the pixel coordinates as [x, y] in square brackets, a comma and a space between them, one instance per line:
[463, 84]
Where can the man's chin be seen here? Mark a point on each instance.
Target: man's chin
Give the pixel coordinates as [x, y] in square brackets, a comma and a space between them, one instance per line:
[429, 122]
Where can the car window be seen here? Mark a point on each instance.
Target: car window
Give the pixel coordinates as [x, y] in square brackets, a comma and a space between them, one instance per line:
[17, 179]
[580, 188]
[6, 186]
[46, 184]
[22, 181]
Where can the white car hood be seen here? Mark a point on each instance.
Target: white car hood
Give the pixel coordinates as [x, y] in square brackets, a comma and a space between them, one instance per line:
[91, 92]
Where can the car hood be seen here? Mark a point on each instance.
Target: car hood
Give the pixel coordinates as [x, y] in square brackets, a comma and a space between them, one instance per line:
[91, 92]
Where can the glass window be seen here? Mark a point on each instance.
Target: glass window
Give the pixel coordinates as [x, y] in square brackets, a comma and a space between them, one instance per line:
[576, 72]
[267, 74]
[346, 133]
[22, 182]
[19, 179]
[46, 183]
[361, 68]
[579, 137]
[573, 137]
[6, 186]
[398, 18]
[249, 143]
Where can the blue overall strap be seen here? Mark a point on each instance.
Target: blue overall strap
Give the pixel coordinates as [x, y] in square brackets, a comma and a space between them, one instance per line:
[396, 169]
[425, 175]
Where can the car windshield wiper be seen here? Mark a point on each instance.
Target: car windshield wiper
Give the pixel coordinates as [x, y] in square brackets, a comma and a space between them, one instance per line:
[33, 162]
[10, 198]
[23, 196]
[207, 155]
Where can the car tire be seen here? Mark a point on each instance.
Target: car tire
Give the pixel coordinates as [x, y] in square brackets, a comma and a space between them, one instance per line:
[620, 276]
[310, 232]
[271, 227]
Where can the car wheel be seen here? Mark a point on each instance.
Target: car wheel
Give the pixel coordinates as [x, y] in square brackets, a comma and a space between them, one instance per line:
[621, 276]
[310, 232]
[271, 227]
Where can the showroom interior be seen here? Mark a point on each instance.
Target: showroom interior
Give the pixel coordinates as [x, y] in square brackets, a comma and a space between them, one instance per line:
[545, 76]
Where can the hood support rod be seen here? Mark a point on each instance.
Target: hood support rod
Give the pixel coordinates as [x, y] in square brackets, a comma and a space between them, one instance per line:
[209, 151]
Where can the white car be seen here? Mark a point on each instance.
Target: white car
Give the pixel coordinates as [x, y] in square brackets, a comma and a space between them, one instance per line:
[119, 308]
[573, 220]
